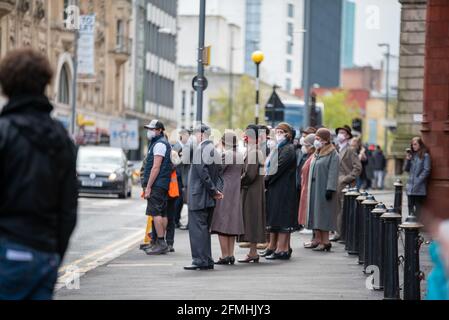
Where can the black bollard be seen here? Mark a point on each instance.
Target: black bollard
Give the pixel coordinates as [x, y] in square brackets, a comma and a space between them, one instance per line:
[378, 242]
[412, 274]
[391, 259]
[361, 225]
[344, 215]
[352, 231]
[398, 186]
[368, 205]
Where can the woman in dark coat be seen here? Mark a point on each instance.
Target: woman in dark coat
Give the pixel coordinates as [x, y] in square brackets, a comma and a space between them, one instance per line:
[253, 195]
[282, 196]
[227, 220]
[418, 165]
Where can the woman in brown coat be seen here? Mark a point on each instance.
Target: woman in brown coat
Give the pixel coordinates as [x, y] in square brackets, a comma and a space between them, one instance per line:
[227, 220]
[253, 195]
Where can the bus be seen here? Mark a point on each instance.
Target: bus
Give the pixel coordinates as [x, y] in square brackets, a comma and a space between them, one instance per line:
[293, 113]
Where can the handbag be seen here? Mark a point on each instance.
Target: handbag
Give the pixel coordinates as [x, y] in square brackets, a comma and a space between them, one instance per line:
[173, 187]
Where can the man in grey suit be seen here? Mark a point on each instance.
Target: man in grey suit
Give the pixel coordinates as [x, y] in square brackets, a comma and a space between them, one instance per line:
[205, 187]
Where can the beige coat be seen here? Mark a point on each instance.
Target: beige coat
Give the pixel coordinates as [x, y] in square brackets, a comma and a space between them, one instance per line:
[350, 169]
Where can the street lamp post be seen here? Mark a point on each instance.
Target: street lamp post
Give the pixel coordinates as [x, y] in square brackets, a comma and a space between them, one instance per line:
[257, 58]
[201, 81]
[75, 77]
[387, 93]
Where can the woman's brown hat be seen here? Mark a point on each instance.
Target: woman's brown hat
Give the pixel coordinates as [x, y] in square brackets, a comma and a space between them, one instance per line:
[324, 134]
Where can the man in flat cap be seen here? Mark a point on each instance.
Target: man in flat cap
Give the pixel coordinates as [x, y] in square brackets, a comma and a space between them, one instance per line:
[205, 188]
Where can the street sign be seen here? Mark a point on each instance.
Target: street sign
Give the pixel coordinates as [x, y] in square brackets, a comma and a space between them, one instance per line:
[206, 55]
[124, 134]
[198, 83]
[86, 45]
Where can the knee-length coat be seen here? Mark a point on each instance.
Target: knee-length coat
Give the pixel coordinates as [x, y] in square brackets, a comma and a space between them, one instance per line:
[323, 177]
[282, 196]
[253, 198]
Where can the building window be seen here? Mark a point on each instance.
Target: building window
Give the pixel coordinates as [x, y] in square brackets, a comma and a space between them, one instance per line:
[120, 34]
[288, 85]
[289, 47]
[64, 84]
[290, 29]
[289, 66]
[291, 10]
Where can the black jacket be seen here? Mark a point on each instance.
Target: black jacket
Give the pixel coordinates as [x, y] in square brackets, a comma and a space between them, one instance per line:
[38, 184]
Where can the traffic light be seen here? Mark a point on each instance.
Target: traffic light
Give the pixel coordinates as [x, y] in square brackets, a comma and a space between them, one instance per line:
[357, 125]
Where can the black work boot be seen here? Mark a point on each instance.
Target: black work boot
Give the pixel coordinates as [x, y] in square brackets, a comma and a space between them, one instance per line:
[159, 248]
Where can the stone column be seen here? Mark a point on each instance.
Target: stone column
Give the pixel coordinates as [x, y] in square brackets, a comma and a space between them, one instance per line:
[435, 128]
[411, 77]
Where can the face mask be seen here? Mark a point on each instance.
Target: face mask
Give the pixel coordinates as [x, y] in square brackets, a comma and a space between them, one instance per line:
[280, 138]
[302, 141]
[151, 135]
[341, 138]
[304, 150]
[318, 144]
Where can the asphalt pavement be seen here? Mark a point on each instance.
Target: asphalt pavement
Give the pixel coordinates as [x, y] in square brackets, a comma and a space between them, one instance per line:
[129, 274]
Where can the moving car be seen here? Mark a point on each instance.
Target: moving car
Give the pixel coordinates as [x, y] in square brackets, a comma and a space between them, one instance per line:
[104, 170]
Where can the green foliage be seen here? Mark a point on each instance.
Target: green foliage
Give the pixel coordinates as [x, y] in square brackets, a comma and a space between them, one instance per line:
[242, 107]
[338, 111]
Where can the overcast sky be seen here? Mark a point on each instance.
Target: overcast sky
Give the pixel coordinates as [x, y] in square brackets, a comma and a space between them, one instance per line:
[377, 21]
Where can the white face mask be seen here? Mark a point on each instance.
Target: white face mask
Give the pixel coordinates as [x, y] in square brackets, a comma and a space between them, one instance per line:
[151, 135]
[341, 138]
[302, 141]
[304, 150]
[280, 138]
[318, 144]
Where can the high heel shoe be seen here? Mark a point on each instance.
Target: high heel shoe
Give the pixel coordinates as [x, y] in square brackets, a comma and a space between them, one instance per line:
[250, 259]
[223, 261]
[311, 245]
[266, 253]
[323, 247]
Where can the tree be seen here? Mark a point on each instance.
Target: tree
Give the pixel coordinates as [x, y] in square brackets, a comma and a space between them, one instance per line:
[338, 110]
[242, 109]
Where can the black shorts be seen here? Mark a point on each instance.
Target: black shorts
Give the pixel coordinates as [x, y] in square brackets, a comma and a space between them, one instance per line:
[157, 203]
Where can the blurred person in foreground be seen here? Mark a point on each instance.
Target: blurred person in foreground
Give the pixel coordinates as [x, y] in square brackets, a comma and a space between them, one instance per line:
[38, 197]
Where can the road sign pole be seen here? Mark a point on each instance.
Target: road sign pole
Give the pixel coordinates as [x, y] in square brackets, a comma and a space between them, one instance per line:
[201, 39]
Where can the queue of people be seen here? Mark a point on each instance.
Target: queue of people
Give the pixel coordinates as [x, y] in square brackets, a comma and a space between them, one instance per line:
[259, 197]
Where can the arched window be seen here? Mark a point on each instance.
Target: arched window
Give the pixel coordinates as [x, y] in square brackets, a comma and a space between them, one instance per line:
[64, 90]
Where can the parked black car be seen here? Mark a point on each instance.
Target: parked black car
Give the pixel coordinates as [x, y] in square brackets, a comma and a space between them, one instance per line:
[104, 170]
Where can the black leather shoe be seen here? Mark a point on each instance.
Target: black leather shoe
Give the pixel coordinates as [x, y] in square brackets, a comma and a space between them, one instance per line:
[223, 261]
[273, 256]
[198, 268]
[267, 253]
[284, 255]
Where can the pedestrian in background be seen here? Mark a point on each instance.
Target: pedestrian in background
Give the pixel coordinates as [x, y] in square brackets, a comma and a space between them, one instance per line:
[308, 151]
[356, 144]
[281, 196]
[380, 163]
[323, 202]
[38, 193]
[253, 195]
[418, 165]
[205, 188]
[156, 179]
[350, 168]
[227, 219]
